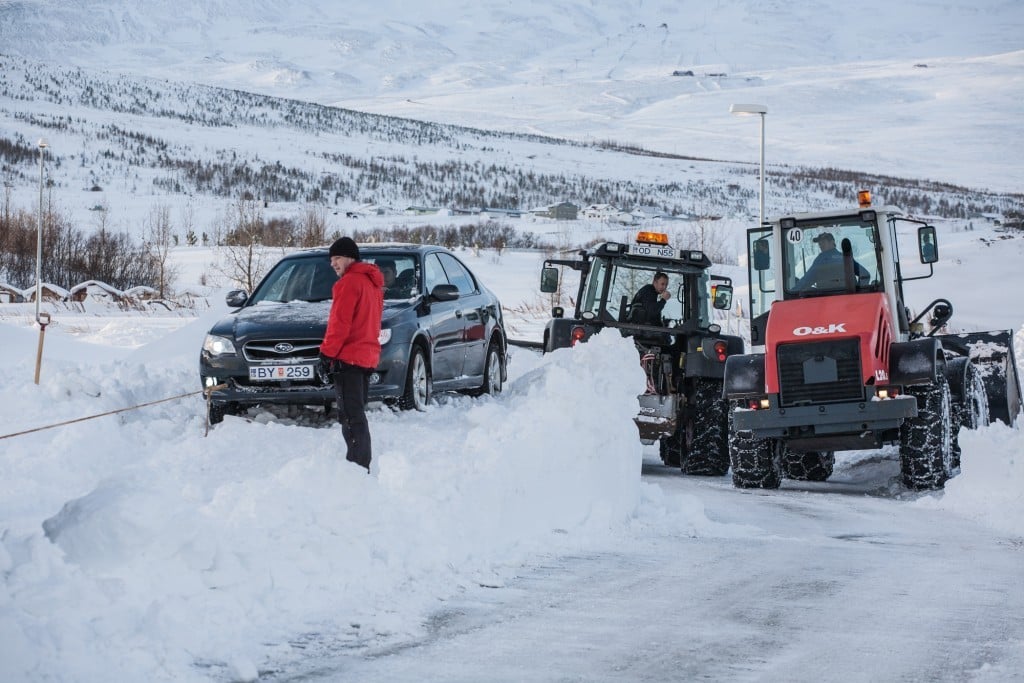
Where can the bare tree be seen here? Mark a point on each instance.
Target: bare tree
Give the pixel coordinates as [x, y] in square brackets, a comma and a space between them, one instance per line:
[243, 257]
[18, 247]
[159, 238]
[188, 224]
[313, 227]
[706, 234]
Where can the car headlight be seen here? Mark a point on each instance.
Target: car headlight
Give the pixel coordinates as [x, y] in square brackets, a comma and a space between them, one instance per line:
[218, 346]
[385, 336]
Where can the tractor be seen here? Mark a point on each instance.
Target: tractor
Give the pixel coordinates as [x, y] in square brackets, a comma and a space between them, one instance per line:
[681, 350]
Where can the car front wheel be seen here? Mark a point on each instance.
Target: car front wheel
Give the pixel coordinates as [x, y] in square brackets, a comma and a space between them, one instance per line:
[417, 383]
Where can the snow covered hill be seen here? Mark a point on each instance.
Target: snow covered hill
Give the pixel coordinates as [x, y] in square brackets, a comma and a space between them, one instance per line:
[926, 88]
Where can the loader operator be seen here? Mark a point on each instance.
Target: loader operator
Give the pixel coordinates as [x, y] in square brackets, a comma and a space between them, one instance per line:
[826, 270]
[650, 299]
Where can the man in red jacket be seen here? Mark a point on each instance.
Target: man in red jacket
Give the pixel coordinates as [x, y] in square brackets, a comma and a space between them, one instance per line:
[351, 347]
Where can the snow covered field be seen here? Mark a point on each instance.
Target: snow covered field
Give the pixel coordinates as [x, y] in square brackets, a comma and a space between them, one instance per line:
[134, 547]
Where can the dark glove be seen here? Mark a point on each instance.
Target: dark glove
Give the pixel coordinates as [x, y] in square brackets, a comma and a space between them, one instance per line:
[328, 365]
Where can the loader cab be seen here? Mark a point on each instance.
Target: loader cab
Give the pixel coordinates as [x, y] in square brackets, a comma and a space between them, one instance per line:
[830, 257]
[787, 259]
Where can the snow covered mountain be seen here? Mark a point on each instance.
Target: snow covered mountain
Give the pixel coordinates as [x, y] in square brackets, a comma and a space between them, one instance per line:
[927, 89]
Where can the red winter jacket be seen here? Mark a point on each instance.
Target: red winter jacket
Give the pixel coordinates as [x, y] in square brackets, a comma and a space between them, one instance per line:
[353, 326]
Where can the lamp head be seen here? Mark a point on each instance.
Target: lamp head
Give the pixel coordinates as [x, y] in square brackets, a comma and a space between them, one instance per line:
[43, 143]
[748, 109]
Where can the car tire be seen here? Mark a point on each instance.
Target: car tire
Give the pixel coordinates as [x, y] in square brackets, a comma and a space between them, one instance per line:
[418, 383]
[492, 372]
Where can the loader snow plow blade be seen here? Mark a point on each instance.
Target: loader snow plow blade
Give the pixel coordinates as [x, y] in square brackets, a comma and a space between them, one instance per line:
[992, 354]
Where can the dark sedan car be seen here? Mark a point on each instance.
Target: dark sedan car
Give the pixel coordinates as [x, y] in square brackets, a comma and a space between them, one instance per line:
[442, 330]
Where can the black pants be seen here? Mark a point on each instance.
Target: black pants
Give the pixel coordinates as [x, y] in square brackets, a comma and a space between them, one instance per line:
[352, 384]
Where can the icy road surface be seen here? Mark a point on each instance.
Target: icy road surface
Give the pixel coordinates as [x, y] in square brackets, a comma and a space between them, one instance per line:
[846, 580]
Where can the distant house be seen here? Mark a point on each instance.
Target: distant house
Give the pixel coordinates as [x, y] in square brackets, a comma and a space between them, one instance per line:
[648, 213]
[422, 210]
[607, 213]
[10, 295]
[565, 211]
[503, 213]
[597, 210]
[51, 292]
[96, 291]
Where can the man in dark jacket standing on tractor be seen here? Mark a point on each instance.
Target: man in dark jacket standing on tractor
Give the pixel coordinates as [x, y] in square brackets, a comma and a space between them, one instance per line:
[651, 300]
[351, 347]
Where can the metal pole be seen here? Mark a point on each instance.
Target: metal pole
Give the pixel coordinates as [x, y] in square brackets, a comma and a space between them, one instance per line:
[42, 319]
[750, 110]
[39, 231]
[762, 171]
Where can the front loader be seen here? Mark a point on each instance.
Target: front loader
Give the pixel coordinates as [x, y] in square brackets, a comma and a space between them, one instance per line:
[844, 366]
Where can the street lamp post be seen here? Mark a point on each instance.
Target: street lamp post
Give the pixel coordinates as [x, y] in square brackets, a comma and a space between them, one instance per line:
[752, 110]
[43, 319]
[43, 144]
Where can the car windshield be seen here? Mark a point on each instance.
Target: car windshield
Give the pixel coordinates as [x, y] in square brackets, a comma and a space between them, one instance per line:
[297, 279]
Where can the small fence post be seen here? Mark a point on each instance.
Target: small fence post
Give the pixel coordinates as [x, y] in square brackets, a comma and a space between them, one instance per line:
[43, 319]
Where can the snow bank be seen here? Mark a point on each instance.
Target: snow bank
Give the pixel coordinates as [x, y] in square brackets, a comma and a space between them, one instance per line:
[990, 486]
[133, 548]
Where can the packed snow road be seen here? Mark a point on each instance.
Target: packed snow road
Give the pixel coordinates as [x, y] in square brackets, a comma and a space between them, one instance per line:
[848, 580]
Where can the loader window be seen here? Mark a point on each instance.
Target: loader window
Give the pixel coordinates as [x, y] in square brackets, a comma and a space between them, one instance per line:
[813, 257]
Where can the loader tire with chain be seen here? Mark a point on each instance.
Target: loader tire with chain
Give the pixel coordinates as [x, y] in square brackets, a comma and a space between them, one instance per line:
[755, 462]
[926, 457]
[808, 466]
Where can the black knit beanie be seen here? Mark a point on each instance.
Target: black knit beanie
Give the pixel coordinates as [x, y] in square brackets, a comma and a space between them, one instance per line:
[345, 246]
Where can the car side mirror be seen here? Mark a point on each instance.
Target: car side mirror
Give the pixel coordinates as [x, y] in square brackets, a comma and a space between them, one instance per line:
[549, 280]
[236, 298]
[721, 296]
[927, 244]
[444, 293]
